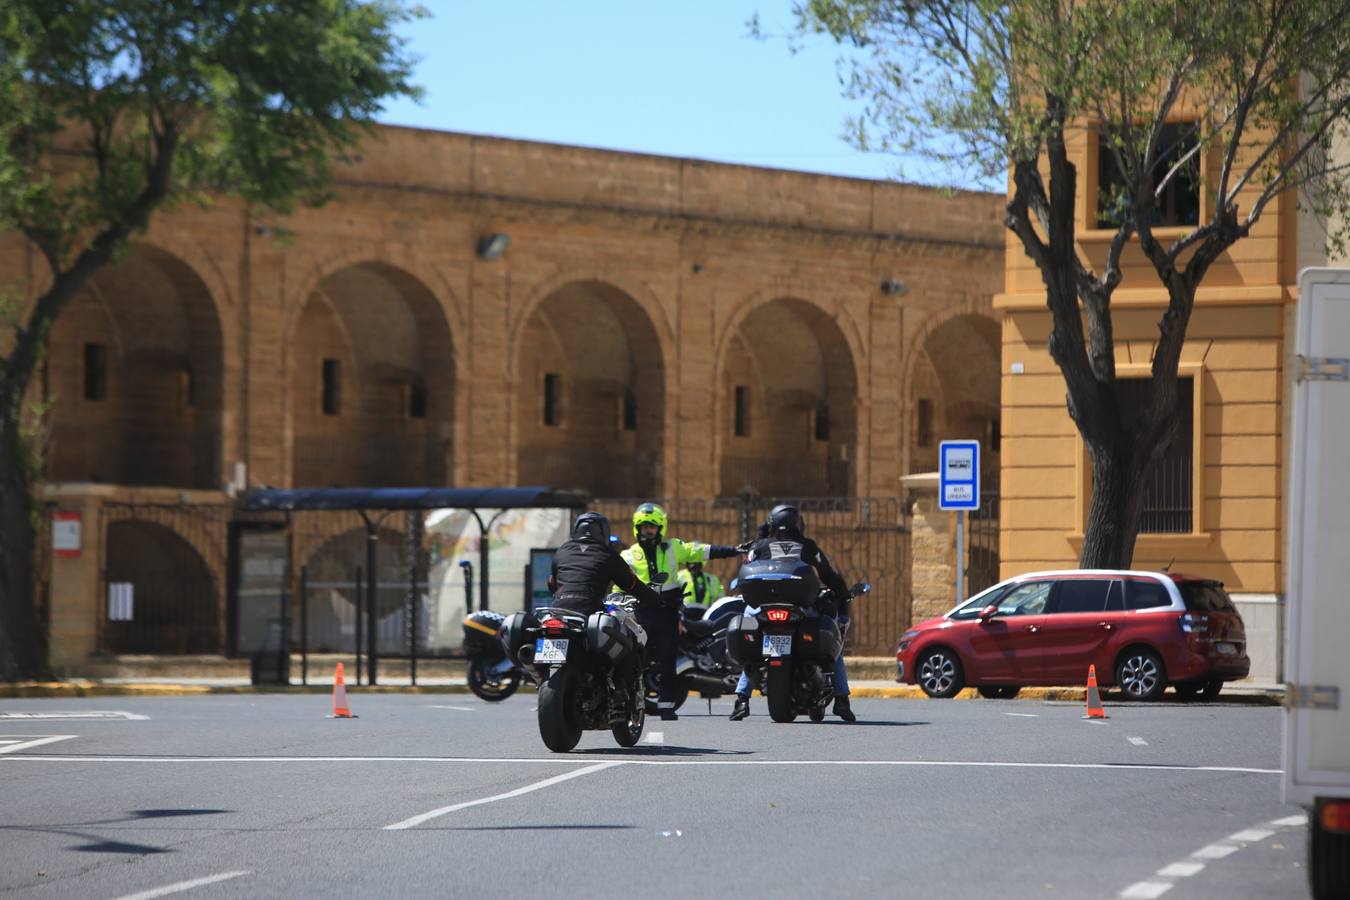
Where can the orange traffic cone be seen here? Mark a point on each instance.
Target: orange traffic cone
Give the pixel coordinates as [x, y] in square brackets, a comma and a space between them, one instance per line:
[1094, 698]
[340, 710]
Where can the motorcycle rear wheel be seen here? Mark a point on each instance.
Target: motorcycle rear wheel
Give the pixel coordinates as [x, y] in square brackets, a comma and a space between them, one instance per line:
[558, 722]
[484, 688]
[778, 690]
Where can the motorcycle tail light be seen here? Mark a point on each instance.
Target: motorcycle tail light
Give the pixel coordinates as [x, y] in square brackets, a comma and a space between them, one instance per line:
[777, 615]
[552, 624]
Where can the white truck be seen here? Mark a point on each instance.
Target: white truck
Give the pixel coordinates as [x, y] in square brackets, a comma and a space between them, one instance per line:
[1317, 579]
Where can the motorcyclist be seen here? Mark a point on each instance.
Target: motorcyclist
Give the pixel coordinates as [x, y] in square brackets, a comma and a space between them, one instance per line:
[654, 553]
[784, 526]
[701, 588]
[587, 564]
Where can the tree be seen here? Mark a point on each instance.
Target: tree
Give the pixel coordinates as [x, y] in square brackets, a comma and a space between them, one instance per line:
[1258, 90]
[112, 110]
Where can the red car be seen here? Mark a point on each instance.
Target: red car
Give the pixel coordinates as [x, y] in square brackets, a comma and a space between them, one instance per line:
[1142, 630]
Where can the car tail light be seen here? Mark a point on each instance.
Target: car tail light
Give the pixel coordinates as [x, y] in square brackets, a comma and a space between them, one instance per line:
[553, 624]
[1193, 623]
[1336, 815]
[777, 615]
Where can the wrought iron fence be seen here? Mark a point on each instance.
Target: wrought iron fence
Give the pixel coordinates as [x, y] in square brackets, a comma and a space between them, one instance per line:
[982, 561]
[866, 538]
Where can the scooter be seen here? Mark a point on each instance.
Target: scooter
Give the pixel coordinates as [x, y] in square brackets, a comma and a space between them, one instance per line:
[491, 675]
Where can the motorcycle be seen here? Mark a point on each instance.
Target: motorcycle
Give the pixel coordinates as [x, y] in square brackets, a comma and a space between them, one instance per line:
[703, 663]
[786, 637]
[491, 675]
[589, 670]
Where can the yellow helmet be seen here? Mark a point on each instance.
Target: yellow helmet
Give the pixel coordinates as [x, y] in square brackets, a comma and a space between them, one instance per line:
[649, 514]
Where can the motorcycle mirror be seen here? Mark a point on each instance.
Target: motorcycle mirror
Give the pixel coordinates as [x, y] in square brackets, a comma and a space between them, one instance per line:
[860, 588]
[988, 613]
[660, 578]
[613, 539]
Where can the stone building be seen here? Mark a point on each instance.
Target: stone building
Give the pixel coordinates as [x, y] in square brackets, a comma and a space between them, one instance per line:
[472, 311]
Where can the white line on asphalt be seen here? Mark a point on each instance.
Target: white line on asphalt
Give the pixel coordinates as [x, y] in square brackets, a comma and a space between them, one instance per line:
[180, 886]
[478, 760]
[1215, 851]
[1251, 835]
[76, 714]
[1138, 741]
[656, 737]
[27, 745]
[529, 788]
[1023, 715]
[459, 708]
[1291, 821]
[1181, 869]
[1147, 890]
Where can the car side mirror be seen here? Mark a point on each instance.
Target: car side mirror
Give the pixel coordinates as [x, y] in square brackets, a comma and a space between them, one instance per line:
[988, 613]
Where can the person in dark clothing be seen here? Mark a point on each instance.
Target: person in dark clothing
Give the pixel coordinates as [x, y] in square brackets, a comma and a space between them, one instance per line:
[587, 564]
[782, 535]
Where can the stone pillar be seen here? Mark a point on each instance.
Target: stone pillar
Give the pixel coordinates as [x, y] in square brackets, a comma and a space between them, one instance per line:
[932, 541]
[75, 596]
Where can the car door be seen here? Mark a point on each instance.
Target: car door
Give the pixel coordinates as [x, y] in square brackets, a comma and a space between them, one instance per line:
[1078, 627]
[1005, 648]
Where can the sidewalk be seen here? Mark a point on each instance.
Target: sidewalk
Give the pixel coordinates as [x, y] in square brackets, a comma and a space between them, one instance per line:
[869, 676]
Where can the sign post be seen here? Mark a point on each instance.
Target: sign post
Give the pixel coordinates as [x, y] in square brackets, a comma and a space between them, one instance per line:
[959, 480]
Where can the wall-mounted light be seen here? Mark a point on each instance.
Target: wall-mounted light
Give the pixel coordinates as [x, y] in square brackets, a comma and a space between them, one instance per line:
[492, 246]
[894, 287]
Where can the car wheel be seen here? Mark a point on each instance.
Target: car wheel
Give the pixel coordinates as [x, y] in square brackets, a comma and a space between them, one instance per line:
[1140, 675]
[940, 674]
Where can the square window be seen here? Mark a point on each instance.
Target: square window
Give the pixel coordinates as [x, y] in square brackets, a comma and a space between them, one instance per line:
[1179, 204]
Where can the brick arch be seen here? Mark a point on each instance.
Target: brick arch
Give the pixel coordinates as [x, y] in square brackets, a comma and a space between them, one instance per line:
[168, 365]
[175, 590]
[616, 342]
[399, 390]
[841, 352]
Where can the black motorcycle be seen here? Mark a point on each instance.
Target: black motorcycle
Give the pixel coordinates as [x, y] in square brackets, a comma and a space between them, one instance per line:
[589, 670]
[491, 675]
[786, 638]
[703, 663]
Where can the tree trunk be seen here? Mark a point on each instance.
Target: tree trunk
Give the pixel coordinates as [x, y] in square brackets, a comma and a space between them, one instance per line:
[1118, 480]
[22, 645]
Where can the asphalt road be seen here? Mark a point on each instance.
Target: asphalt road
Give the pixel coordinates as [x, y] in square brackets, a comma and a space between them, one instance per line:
[443, 795]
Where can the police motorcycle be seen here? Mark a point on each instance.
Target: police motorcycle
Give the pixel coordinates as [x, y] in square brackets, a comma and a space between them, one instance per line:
[589, 669]
[785, 638]
[491, 675]
[703, 663]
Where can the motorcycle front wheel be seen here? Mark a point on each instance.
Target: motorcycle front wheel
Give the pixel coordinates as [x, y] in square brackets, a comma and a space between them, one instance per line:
[486, 687]
[778, 690]
[630, 732]
[559, 725]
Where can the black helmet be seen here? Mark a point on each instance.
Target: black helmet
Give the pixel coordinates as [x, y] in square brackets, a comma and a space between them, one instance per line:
[785, 518]
[591, 527]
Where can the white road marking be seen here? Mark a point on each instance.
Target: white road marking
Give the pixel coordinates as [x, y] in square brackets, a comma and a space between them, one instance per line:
[1215, 851]
[656, 737]
[459, 708]
[34, 741]
[180, 886]
[1147, 890]
[529, 788]
[955, 764]
[1291, 821]
[1138, 741]
[1023, 715]
[1251, 835]
[76, 714]
[1181, 869]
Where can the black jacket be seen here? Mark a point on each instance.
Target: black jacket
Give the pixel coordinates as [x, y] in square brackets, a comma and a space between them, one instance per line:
[584, 569]
[794, 544]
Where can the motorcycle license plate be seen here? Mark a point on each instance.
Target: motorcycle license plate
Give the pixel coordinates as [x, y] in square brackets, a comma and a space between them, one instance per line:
[777, 645]
[550, 650]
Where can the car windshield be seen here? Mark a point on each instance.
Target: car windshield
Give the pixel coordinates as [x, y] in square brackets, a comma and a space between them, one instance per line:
[1205, 596]
[971, 608]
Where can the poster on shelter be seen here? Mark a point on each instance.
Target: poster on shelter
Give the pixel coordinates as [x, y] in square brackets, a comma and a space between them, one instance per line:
[452, 536]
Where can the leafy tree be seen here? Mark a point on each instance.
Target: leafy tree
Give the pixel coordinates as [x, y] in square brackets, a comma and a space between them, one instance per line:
[1257, 89]
[111, 110]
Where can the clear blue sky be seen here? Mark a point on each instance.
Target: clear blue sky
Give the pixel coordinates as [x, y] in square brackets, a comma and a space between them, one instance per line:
[680, 78]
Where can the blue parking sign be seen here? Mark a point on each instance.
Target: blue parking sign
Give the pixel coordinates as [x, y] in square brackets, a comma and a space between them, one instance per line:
[959, 475]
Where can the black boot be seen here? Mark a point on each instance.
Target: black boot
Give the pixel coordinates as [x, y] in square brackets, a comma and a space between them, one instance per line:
[842, 709]
[669, 715]
[741, 710]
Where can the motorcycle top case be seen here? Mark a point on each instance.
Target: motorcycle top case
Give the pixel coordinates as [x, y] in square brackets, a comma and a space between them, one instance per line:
[481, 632]
[784, 580]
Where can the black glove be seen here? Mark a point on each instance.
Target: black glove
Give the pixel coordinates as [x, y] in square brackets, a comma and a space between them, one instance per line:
[745, 547]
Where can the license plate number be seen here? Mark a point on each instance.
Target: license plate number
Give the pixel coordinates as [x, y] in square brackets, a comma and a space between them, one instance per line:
[1226, 649]
[547, 650]
[777, 645]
